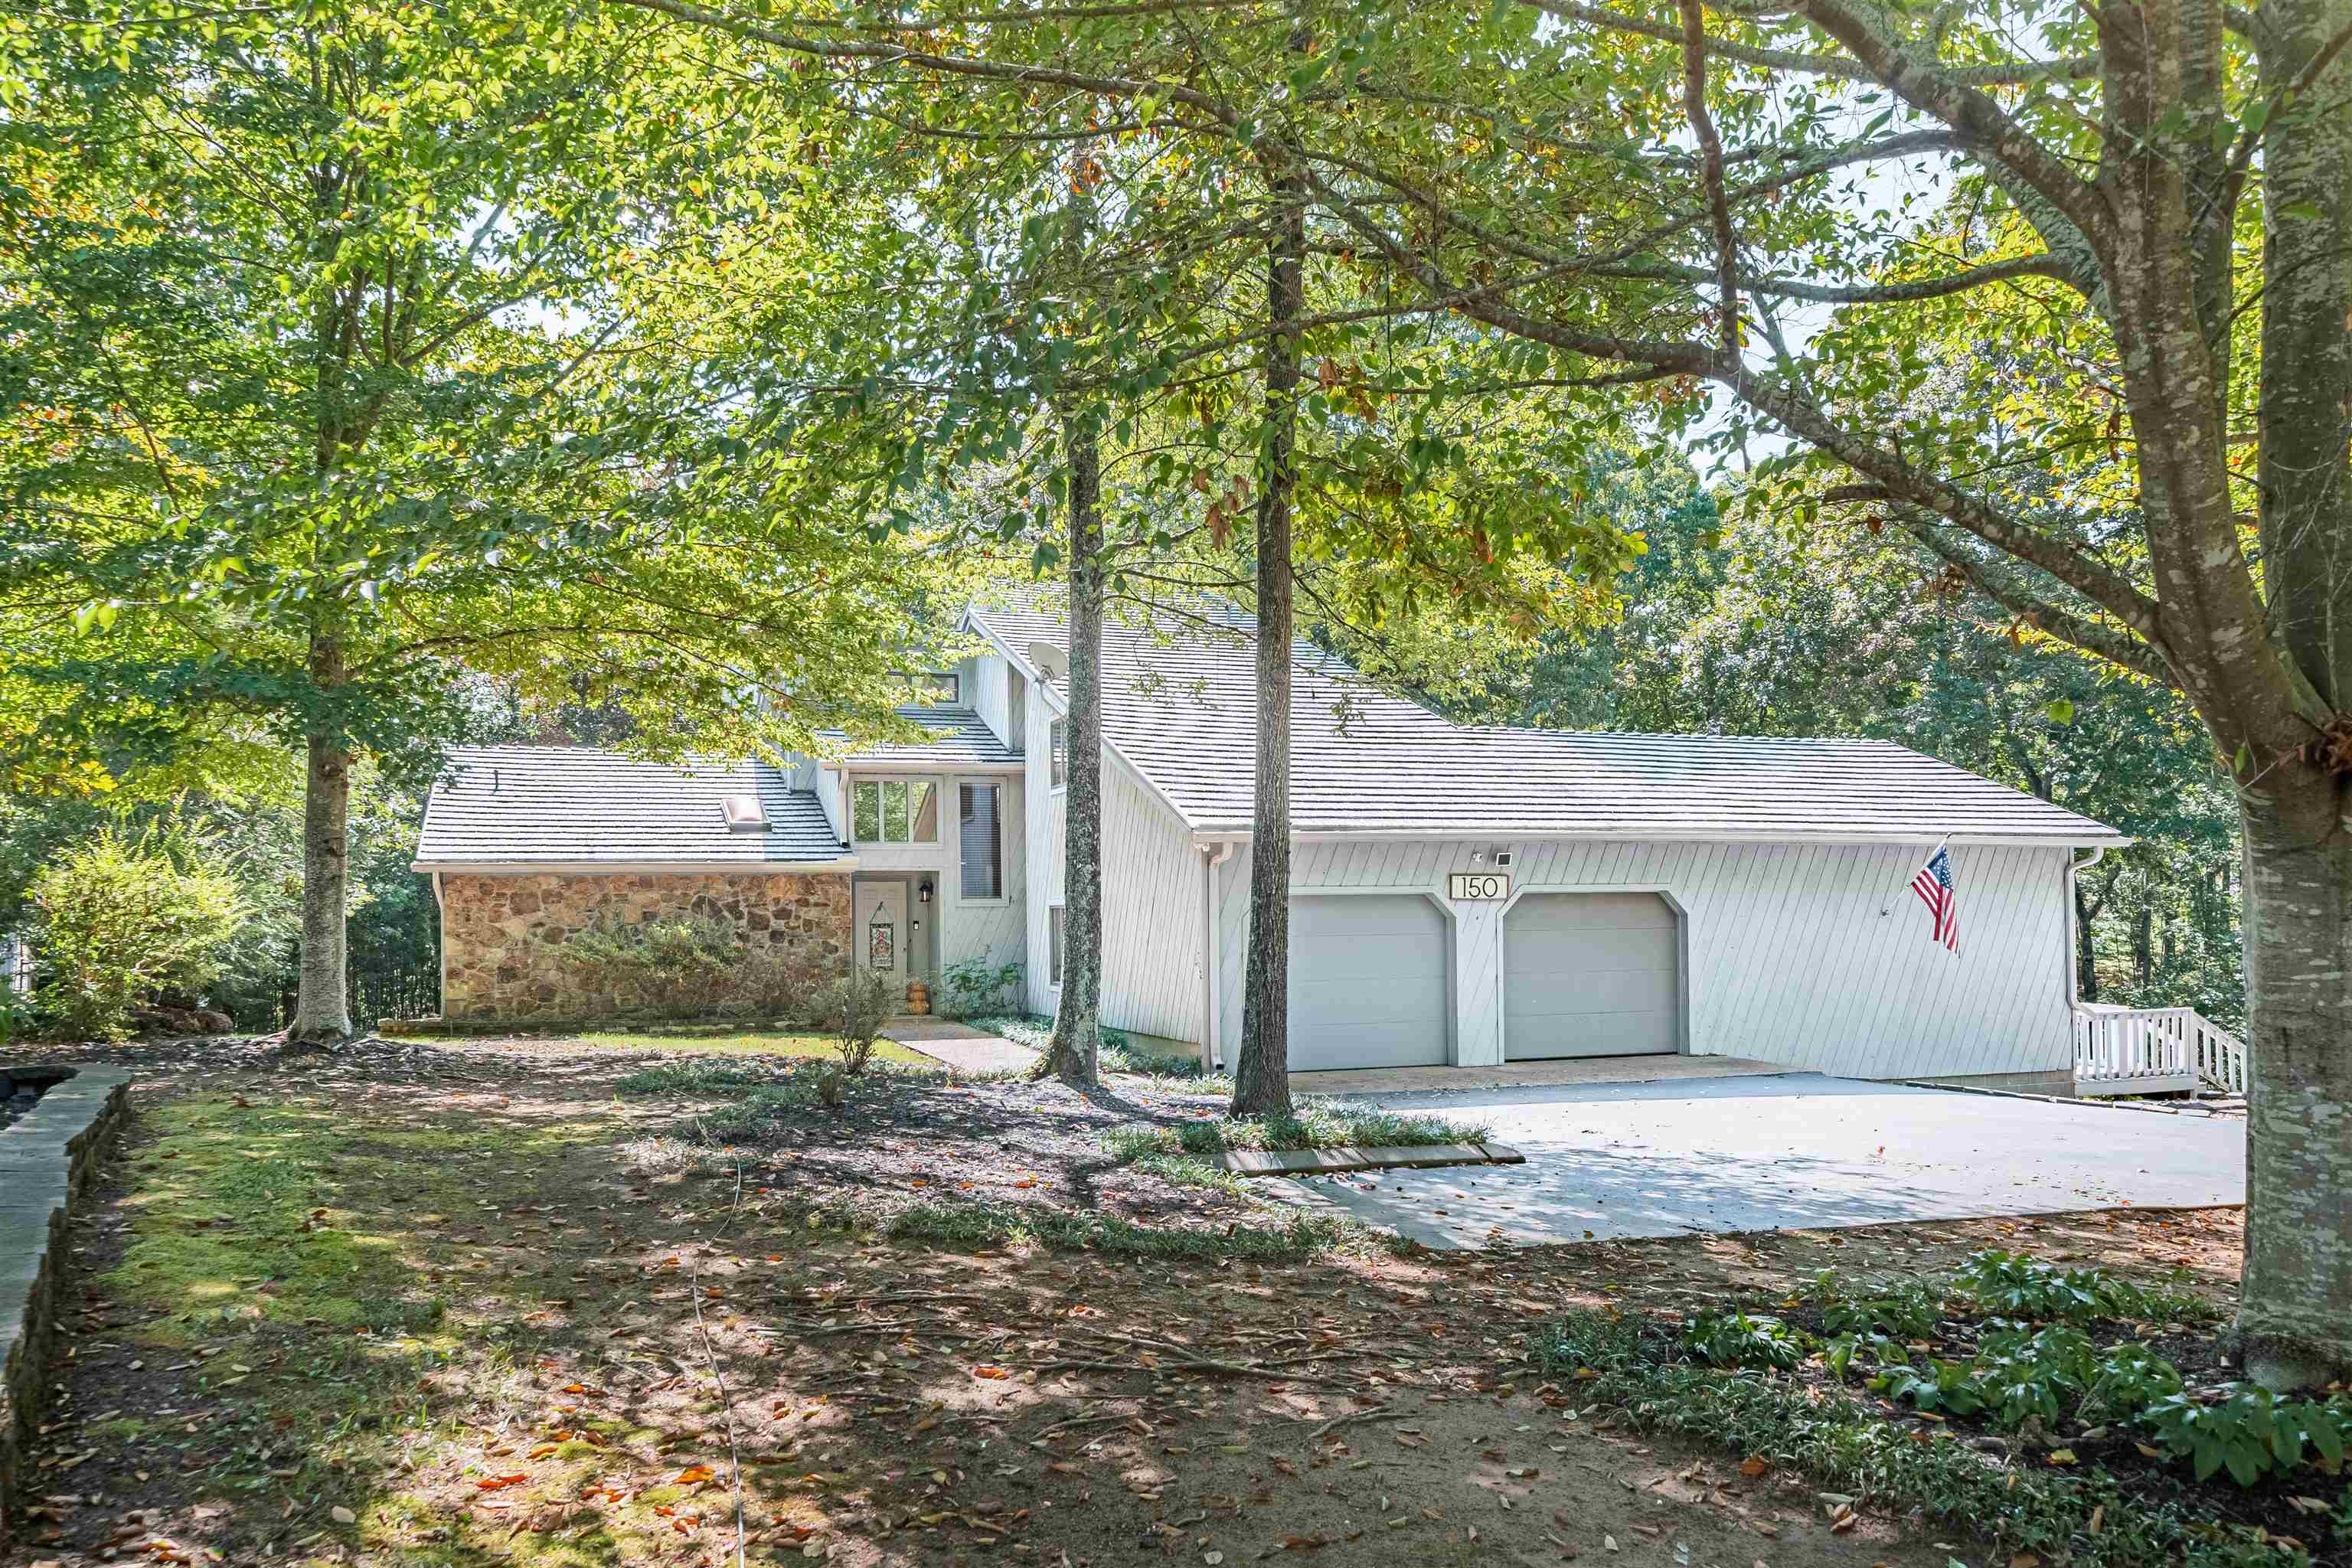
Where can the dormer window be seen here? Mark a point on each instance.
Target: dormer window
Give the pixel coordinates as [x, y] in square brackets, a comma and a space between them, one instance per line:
[743, 814]
[934, 687]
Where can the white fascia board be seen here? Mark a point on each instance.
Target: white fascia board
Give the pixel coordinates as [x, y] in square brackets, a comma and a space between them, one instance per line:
[1054, 702]
[1205, 838]
[847, 863]
[944, 765]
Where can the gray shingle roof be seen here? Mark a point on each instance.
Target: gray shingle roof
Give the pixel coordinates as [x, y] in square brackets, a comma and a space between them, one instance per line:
[564, 805]
[1180, 705]
[960, 738]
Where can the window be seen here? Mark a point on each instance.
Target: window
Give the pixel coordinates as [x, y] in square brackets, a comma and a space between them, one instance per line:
[743, 814]
[937, 688]
[1058, 744]
[982, 840]
[1054, 945]
[894, 811]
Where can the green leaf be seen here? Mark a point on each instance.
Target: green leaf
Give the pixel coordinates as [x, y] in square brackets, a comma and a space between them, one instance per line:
[2061, 711]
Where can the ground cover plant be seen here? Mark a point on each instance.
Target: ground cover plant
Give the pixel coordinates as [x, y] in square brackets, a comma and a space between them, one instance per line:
[2073, 1413]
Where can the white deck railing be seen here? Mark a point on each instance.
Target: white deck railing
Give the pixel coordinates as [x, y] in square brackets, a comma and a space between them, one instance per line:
[2154, 1050]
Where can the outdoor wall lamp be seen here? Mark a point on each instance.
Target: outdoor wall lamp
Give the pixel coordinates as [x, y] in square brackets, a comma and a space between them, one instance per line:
[924, 893]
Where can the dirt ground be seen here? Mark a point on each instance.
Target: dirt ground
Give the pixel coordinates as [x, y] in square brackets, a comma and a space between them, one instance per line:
[416, 1304]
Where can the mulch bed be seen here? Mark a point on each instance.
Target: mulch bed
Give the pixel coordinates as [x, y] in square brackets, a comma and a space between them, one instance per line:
[1025, 1144]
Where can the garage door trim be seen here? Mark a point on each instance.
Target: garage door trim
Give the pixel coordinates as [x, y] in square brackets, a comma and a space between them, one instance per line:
[1682, 953]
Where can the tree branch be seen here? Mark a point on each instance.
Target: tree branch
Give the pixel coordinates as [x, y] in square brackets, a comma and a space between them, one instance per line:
[1710, 151]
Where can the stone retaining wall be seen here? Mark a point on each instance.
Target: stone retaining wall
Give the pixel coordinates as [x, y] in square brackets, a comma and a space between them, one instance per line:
[48, 1158]
[499, 931]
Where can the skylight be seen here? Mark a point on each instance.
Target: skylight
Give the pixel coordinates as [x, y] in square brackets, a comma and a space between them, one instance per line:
[743, 814]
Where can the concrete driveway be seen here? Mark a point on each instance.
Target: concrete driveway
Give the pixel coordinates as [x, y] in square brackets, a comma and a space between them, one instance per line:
[1794, 1150]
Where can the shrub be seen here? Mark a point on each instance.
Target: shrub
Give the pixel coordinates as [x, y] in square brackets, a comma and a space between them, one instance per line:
[975, 985]
[855, 1008]
[122, 921]
[680, 966]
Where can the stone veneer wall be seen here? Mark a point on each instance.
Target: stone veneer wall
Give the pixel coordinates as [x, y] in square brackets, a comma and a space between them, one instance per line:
[495, 930]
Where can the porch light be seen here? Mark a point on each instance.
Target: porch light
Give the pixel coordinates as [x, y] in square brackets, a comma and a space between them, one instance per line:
[924, 892]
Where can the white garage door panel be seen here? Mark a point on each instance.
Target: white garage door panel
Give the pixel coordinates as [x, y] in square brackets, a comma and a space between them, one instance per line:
[1590, 975]
[1367, 982]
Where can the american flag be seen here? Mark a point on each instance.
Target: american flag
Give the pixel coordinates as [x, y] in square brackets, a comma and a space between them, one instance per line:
[1936, 890]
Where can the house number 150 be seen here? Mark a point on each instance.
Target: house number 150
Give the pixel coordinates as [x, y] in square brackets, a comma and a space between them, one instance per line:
[1478, 887]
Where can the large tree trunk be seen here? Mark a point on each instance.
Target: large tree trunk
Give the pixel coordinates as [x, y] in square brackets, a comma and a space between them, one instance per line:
[1074, 1054]
[2295, 1314]
[322, 1004]
[1262, 1067]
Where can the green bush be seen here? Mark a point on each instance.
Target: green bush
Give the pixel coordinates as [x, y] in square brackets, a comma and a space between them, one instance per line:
[680, 966]
[976, 986]
[121, 922]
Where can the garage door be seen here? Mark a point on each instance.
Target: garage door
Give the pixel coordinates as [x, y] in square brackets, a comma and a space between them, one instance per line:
[1590, 975]
[1367, 982]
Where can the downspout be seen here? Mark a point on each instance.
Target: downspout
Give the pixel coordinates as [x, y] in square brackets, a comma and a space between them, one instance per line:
[1211, 955]
[441, 918]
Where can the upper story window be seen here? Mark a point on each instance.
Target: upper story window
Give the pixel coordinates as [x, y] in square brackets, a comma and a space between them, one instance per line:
[894, 811]
[1058, 746]
[980, 835]
[936, 688]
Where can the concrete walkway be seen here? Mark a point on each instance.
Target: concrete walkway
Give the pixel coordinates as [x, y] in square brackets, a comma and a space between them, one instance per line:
[961, 1046]
[1796, 1151]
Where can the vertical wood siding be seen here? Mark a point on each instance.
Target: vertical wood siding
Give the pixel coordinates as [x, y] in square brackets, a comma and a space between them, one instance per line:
[1788, 957]
[1152, 976]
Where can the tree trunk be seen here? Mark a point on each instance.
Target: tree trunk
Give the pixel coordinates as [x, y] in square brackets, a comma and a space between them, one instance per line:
[1074, 1054]
[2086, 967]
[2295, 1314]
[1262, 1067]
[322, 1004]
[2144, 945]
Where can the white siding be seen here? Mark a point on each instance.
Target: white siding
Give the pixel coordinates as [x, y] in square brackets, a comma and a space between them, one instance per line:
[1152, 976]
[984, 685]
[965, 928]
[1789, 956]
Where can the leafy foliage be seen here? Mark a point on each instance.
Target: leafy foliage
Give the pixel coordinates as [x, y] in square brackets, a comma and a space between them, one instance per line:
[680, 966]
[2250, 1432]
[123, 921]
[1737, 1339]
[979, 986]
[2011, 1285]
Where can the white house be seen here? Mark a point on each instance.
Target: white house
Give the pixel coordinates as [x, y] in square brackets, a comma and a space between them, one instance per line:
[1459, 895]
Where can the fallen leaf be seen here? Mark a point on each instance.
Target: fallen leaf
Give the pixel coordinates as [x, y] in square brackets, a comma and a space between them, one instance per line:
[342, 1515]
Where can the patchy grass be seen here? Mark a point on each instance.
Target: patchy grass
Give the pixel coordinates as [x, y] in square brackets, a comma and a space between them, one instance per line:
[1319, 1124]
[753, 1078]
[721, 1040]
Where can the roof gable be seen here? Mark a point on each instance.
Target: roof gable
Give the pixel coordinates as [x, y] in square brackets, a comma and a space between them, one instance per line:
[1179, 703]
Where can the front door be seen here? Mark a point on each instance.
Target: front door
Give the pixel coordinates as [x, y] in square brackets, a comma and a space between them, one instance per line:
[880, 937]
